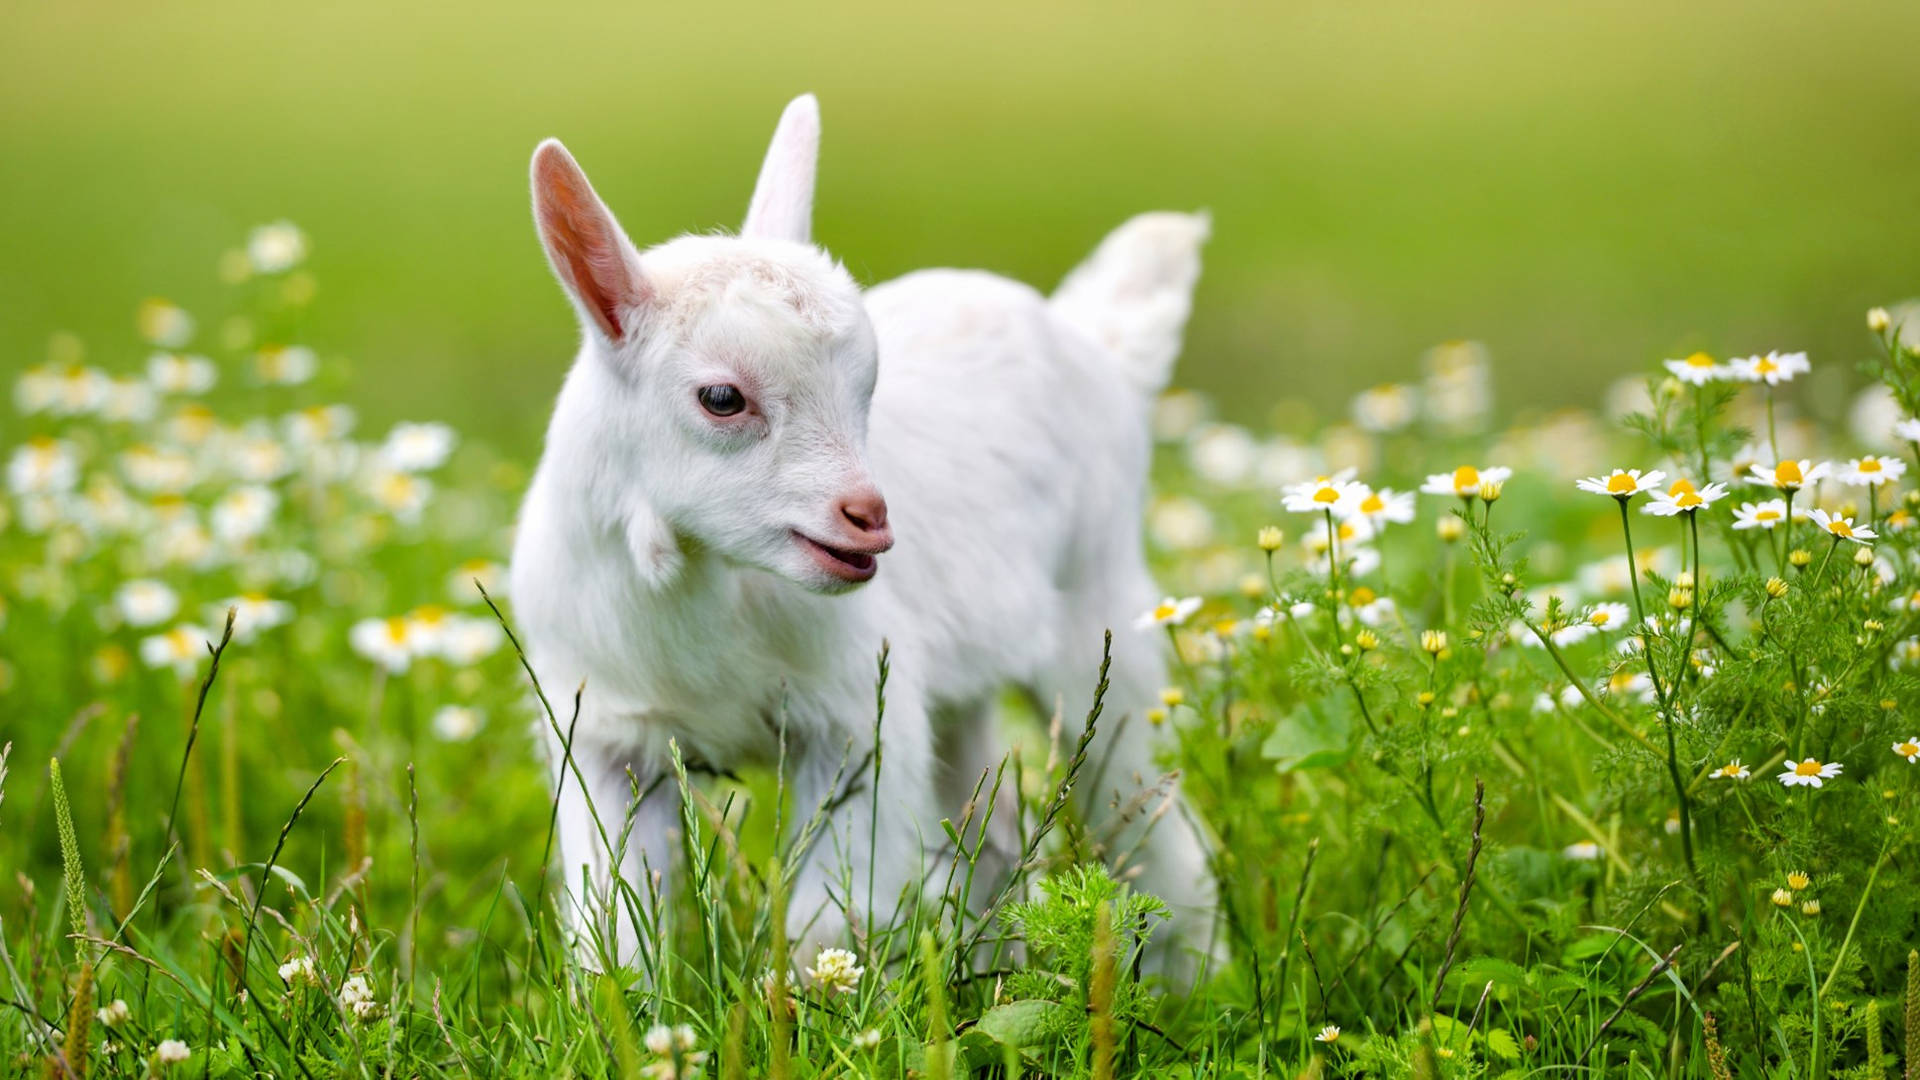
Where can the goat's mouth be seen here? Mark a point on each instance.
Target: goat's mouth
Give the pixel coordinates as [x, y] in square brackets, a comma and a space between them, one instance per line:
[850, 565]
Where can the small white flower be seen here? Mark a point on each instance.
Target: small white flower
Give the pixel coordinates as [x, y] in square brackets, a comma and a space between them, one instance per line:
[164, 323]
[285, 365]
[171, 1052]
[389, 642]
[1385, 505]
[1907, 430]
[357, 997]
[128, 401]
[1683, 500]
[244, 513]
[1808, 773]
[144, 603]
[835, 972]
[1325, 494]
[1698, 369]
[254, 613]
[1622, 483]
[1764, 515]
[177, 373]
[460, 583]
[76, 390]
[1773, 368]
[157, 471]
[401, 494]
[299, 971]
[1583, 852]
[455, 723]
[114, 1013]
[43, 466]
[1464, 482]
[318, 425]
[659, 1040]
[1222, 454]
[417, 447]
[1909, 748]
[1871, 471]
[276, 248]
[867, 1039]
[1168, 612]
[1330, 1033]
[257, 457]
[1732, 770]
[181, 648]
[1386, 408]
[1840, 527]
[463, 641]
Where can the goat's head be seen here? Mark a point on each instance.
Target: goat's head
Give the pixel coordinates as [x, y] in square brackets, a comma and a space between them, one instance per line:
[739, 370]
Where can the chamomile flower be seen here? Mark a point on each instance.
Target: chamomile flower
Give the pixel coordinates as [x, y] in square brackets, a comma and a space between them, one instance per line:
[1871, 471]
[1386, 408]
[178, 373]
[1178, 523]
[1683, 498]
[460, 583]
[43, 466]
[1789, 475]
[285, 365]
[244, 513]
[1907, 430]
[1385, 506]
[1622, 483]
[276, 248]
[1773, 368]
[253, 614]
[1697, 369]
[1763, 515]
[463, 641]
[76, 390]
[417, 447]
[1732, 770]
[128, 401]
[1465, 480]
[180, 648]
[318, 425]
[835, 972]
[1168, 612]
[1809, 773]
[455, 723]
[1840, 527]
[163, 323]
[145, 603]
[1582, 852]
[257, 457]
[1324, 494]
[1330, 1033]
[1222, 454]
[402, 494]
[389, 642]
[1909, 748]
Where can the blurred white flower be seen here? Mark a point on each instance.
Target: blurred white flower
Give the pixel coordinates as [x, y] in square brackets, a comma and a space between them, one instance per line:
[1582, 852]
[1221, 453]
[104, 508]
[253, 613]
[175, 373]
[356, 996]
[256, 456]
[1772, 368]
[143, 602]
[455, 723]
[181, 648]
[43, 466]
[191, 425]
[299, 971]
[182, 541]
[389, 642]
[319, 424]
[1385, 408]
[276, 248]
[163, 323]
[77, 390]
[244, 513]
[464, 641]
[489, 574]
[171, 1052]
[285, 365]
[1459, 385]
[1871, 471]
[128, 401]
[835, 971]
[1168, 612]
[1178, 523]
[417, 447]
[401, 494]
[1697, 369]
[1872, 418]
[1385, 506]
[157, 470]
[36, 389]
[1176, 413]
[113, 1013]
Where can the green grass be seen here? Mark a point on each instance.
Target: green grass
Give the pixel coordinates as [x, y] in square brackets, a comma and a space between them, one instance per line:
[1587, 188]
[1470, 854]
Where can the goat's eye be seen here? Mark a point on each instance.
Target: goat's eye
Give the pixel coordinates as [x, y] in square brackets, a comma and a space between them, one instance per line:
[723, 400]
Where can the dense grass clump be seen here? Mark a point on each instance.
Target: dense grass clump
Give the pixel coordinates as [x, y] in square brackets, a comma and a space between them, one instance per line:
[1543, 768]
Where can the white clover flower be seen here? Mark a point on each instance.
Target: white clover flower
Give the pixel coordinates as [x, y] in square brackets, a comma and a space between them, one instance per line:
[1683, 498]
[1808, 773]
[659, 1040]
[1732, 770]
[1222, 454]
[1168, 612]
[181, 648]
[176, 373]
[113, 1013]
[1789, 475]
[285, 365]
[835, 971]
[155, 470]
[1773, 368]
[1764, 515]
[460, 583]
[1909, 748]
[43, 466]
[455, 723]
[1698, 369]
[1385, 506]
[867, 1039]
[1622, 483]
[128, 401]
[1464, 481]
[276, 248]
[171, 1052]
[244, 513]
[1582, 852]
[163, 323]
[299, 971]
[357, 997]
[1386, 408]
[253, 614]
[400, 494]
[1840, 527]
[144, 603]
[389, 642]
[417, 447]
[1178, 523]
[1325, 495]
[1871, 471]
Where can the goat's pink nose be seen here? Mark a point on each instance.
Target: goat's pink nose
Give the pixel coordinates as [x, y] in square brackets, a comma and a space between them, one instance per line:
[866, 511]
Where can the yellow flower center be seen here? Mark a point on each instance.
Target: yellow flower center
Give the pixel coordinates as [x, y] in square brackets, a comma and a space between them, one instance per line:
[1682, 486]
[1765, 366]
[1622, 484]
[1788, 472]
[1620, 681]
[1808, 767]
[1346, 530]
[1163, 613]
[1466, 479]
[1689, 500]
[1361, 597]
[397, 630]
[1766, 515]
[1907, 749]
[1840, 527]
[1326, 495]
[1729, 770]
[1372, 504]
[1599, 618]
[1700, 360]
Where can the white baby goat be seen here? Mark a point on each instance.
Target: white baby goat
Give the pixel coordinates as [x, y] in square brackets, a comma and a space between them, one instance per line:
[708, 508]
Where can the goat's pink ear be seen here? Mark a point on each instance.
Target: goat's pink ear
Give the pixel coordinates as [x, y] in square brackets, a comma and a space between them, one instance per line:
[782, 207]
[592, 257]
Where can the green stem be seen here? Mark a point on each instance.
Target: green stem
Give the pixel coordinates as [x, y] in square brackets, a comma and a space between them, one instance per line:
[1858, 909]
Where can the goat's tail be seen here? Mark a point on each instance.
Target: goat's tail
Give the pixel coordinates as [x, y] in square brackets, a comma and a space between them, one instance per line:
[1134, 292]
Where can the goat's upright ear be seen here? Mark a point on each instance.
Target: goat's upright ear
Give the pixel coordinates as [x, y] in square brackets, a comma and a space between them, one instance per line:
[593, 258]
[782, 207]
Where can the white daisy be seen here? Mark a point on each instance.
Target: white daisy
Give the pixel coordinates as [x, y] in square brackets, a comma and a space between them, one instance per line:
[1168, 612]
[1385, 505]
[1789, 475]
[1909, 748]
[1732, 770]
[1683, 498]
[254, 613]
[1907, 430]
[164, 323]
[145, 603]
[464, 641]
[1464, 482]
[401, 494]
[244, 513]
[43, 466]
[388, 642]
[276, 248]
[1841, 527]
[181, 648]
[1763, 515]
[1871, 471]
[285, 365]
[455, 723]
[1808, 773]
[1773, 368]
[417, 447]
[1698, 369]
[318, 425]
[460, 583]
[157, 470]
[1622, 483]
[1222, 454]
[1386, 408]
[128, 401]
[176, 373]
[1324, 494]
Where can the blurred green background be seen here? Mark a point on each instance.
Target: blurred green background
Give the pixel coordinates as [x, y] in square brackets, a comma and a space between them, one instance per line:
[1585, 187]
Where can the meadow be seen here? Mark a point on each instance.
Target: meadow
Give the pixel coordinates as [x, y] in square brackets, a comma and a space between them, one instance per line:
[1583, 746]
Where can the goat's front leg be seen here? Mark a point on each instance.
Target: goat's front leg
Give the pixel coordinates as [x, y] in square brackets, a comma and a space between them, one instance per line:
[868, 832]
[617, 811]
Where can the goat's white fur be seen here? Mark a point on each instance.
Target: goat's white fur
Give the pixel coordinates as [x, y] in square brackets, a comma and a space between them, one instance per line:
[655, 561]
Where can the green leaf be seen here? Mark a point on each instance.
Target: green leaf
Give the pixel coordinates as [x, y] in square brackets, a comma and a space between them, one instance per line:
[1022, 1023]
[1502, 1043]
[1317, 736]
